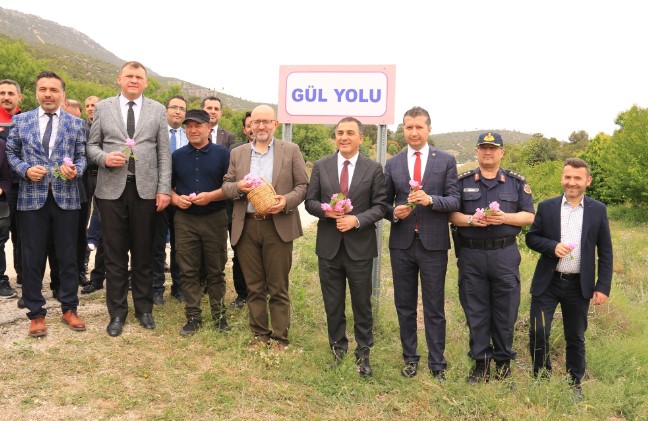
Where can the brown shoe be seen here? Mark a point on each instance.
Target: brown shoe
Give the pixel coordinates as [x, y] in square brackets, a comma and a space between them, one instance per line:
[71, 319]
[37, 327]
[277, 346]
[257, 344]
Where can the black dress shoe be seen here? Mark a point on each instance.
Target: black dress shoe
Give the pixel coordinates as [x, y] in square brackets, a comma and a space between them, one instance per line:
[409, 370]
[502, 369]
[158, 298]
[364, 368]
[21, 302]
[578, 392]
[89, 289]
[238, 303]
[338, 358]
[191, 327]
[222, 325]
[146, 320]
[115, 326]
[480, 372]
[439, 375]
[83, 279]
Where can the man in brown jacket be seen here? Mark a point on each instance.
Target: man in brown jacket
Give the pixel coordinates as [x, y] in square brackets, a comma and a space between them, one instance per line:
[264, 242]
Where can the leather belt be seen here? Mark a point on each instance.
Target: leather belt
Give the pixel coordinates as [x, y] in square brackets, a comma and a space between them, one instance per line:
[130, 178]
[257, 216]
[498, 243]
[567, 276]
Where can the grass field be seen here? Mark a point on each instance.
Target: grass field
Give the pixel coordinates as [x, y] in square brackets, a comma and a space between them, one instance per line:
[145, 375]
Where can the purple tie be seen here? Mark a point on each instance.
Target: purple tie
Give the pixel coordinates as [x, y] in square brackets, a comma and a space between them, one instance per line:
[344, 179]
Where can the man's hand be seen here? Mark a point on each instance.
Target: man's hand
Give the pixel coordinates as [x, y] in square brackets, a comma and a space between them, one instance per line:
[68, 171]
[562, 250]
[162, 201]
[419, 198]
[496, 218]
[243, 187]
[183, 202]
[402, 211]
[201, 199]
[599, 298]
[36, 173]
[346, 223]
[115, 159]
[279, 206]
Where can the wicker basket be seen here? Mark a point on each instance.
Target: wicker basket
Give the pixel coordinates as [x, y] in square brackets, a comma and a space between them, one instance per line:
[263, 197]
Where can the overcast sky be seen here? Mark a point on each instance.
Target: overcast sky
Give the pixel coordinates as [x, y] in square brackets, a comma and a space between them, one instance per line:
[553, 67]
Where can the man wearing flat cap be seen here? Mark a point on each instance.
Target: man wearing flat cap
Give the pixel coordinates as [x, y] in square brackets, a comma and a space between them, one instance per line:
[495, 204]
[201, 220]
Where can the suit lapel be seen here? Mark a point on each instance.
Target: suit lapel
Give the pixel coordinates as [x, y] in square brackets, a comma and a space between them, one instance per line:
[144, 116]
[587, 216]
[64, 121]
[277, 159]
[330, 168]
[359, 173]
[117, 116]
[428, 165]
[403, 164]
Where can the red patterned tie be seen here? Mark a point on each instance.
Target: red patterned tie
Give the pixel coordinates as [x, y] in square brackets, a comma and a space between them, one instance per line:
[417, 175]
[344, 179]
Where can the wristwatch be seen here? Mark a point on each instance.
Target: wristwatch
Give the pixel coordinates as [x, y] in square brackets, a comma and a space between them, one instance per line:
[470, 219]
[431, 201]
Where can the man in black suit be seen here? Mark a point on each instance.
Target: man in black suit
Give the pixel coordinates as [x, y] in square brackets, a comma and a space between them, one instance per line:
[220, 136]
[567, 232]
[346, 240]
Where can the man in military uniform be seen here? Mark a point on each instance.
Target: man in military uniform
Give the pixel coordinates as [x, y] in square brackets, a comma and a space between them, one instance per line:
[488, 257]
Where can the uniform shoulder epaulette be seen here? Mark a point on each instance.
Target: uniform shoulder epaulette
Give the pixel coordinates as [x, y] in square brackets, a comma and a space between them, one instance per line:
[526, 187]
[467, 173]
[515, 175]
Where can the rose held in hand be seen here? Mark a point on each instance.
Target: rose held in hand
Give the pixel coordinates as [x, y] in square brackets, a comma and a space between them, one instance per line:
[414, 186]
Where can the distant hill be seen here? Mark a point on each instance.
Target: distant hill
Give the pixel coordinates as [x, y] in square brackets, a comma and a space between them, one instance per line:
[83, 58]
[462, 144]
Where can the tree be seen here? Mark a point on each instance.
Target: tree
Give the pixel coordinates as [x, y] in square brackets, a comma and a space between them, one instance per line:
[579, 137]
[595, 156]
[623, 159]
[313, 140]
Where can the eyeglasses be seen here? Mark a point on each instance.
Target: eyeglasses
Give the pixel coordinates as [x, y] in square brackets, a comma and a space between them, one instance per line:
[176, 108]
[256, 123]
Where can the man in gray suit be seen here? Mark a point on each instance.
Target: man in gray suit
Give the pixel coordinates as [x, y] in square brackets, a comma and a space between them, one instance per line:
[346, 241]
[132, 184]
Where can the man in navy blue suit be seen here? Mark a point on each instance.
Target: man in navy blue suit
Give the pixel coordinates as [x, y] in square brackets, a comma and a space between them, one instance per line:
[567, 232]
[419, 239]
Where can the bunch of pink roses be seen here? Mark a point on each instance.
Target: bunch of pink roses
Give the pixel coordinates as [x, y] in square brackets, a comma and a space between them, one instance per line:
[482, 213]
[253, 181]
[56, 172]
[338, 204]
[414, 186]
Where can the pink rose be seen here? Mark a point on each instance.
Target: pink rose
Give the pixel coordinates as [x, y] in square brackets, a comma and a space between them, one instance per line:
[67, 161]
[414, 185]
[191, 196]
[479, 213]
[130, 143]
[494, 206]
[326, 207]
[572, 245]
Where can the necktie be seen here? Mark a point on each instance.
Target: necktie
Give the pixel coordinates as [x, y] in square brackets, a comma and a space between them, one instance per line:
[417, 176]
[48, 133]
[417, 167]
[344, 179]
[130, 129]
[172, 140]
